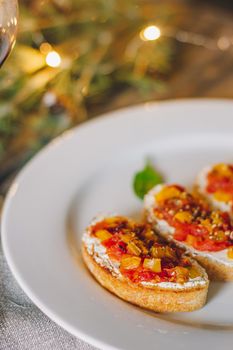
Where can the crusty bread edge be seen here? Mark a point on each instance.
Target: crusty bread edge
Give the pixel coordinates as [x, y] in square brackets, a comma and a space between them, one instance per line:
[216, 270]
[156, 299]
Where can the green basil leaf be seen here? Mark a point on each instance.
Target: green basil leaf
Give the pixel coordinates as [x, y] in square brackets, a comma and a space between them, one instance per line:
[146, 179]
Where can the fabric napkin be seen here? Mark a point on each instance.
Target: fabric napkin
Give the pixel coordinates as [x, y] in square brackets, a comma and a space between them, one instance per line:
[23, 326]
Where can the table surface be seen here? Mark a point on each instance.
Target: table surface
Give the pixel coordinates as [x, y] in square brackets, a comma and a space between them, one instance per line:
[199, 72]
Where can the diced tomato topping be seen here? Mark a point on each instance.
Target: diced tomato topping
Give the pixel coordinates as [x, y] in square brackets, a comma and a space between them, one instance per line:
[114, 227]
[146, 275]
[226, 218]
[116, 248]
[179, 187]
[111, 241]
[204, 243]
[139, 275]
[99, 226]
[129, 273]
[143, 275]
[193, 232]
[196, 230]
[115, 253]
[182, 230]
[210, 246]
[180, 234]
[219, 183]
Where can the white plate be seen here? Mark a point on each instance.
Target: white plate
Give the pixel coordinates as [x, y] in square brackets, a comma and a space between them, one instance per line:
[87, 171]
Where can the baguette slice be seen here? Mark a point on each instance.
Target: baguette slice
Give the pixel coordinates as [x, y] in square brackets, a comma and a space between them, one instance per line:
[190, 223]
[215, 184]
[135, 264]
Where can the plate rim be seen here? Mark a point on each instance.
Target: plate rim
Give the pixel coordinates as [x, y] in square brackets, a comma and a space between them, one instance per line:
[42, 153]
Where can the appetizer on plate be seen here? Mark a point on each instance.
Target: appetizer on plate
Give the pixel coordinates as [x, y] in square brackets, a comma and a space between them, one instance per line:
[215, 183]
[137, 265]
[206, 234]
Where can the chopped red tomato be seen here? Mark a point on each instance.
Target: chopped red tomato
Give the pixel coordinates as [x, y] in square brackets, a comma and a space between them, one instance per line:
[145, 275]
[108, 243]
[180, 235]
[116, 248]
[129, 273]
[210, 246]
[219, 183]
[183, 229]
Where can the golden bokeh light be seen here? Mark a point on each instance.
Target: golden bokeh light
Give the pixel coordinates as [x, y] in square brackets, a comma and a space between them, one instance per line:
[53, 59]
[150, 33]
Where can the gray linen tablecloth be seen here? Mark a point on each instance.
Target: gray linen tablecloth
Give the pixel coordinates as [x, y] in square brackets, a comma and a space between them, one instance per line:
[23, 326]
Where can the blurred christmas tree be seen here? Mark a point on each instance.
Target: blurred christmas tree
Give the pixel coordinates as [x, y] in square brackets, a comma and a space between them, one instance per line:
[72, 56]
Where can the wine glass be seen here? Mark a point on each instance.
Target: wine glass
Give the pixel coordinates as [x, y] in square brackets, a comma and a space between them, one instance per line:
[8, 27]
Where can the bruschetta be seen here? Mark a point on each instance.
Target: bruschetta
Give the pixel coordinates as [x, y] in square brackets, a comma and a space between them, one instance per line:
[215, 184]
[134, 263]
[188, 221]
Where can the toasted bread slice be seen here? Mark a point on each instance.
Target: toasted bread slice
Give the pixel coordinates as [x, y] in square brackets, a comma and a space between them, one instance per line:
[132, 262]
[215, 184]
[192, 225]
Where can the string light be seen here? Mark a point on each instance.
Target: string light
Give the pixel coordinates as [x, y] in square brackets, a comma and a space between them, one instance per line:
[223, 43]
[53, 59]
[150, 33]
